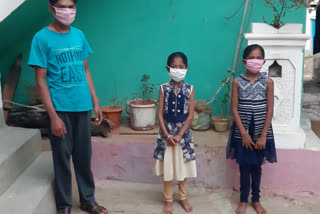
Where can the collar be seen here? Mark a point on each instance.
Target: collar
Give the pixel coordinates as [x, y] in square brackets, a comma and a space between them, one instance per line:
[171, 84]
[262, 74]
[180, 86]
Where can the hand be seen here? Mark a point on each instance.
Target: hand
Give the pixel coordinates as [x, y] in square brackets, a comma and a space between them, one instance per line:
[247, 142]
[171, 141]
[98, 114]
[58, 127]
[177, 138]
[261, 143]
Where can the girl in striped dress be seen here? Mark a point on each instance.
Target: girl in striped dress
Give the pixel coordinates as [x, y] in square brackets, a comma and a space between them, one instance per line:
[251, 142]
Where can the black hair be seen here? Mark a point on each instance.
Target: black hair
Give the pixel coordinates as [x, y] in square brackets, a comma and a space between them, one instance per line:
[251, 48]
[53, 2]
[176, 55]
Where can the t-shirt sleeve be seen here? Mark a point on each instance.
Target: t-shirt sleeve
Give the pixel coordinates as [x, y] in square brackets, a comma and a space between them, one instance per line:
[86, 49]
[38, 53]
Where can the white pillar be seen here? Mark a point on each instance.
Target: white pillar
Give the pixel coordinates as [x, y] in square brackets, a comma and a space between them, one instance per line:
[284, 46]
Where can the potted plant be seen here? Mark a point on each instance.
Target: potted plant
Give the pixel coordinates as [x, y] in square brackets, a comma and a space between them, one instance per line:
[281, 7]
[143, 110]
[113, 112]
[221, 122]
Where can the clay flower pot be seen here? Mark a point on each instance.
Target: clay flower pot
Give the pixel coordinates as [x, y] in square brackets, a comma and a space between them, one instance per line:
[113, 113]
[221, 123]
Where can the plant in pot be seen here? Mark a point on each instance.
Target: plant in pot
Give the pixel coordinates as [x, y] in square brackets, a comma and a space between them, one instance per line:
[221, 122]
[143, 106]
[282, 7]
[113, 112]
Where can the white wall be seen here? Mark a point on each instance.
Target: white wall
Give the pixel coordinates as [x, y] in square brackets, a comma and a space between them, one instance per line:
[311, 15]
[8, 6]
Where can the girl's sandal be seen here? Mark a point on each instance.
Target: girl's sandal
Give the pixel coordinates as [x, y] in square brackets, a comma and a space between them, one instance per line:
[93, 208]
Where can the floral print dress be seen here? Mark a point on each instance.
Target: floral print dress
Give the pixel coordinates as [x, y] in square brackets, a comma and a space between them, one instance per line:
[178, 162]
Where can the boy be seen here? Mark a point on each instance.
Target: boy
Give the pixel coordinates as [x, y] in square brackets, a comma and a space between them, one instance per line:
[59, 56]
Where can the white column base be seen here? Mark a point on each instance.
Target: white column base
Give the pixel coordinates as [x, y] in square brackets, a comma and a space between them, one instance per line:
[290, 139]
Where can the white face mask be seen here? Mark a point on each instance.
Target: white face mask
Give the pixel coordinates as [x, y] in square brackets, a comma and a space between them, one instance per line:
[177, 74]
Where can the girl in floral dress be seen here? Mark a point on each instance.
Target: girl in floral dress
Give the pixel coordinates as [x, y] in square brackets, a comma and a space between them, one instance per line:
[174, 152]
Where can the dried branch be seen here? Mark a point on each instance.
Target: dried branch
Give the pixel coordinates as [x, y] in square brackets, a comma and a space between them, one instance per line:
[235, 13]
[281, 7]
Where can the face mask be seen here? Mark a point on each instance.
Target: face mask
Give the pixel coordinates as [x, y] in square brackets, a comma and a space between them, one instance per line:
[65, 15]
[254, 65]
[177, 74]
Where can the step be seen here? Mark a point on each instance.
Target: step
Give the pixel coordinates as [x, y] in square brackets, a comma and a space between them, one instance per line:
[32, 192]
[312, 141]
[18, 148]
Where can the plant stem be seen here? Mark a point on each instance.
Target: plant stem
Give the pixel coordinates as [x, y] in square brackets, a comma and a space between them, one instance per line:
[235, 13]
[222, 109]
[280, 14]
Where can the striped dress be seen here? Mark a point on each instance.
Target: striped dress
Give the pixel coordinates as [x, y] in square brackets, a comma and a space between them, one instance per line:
[252, 109]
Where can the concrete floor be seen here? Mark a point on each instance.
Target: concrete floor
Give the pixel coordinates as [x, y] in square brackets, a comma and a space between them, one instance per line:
[134, 198]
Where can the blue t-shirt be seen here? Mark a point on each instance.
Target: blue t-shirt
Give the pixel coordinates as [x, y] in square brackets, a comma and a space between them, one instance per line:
[62, 54]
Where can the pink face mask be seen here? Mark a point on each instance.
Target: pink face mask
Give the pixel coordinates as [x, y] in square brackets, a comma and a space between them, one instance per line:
[65, 15]
[254, 65]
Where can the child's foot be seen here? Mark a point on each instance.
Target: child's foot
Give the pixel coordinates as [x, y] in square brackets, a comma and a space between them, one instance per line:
[186, 206]
[242, 208]
[259, 208]
[167, 209]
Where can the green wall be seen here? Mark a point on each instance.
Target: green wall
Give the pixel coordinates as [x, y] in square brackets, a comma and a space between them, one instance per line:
[131, 38]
